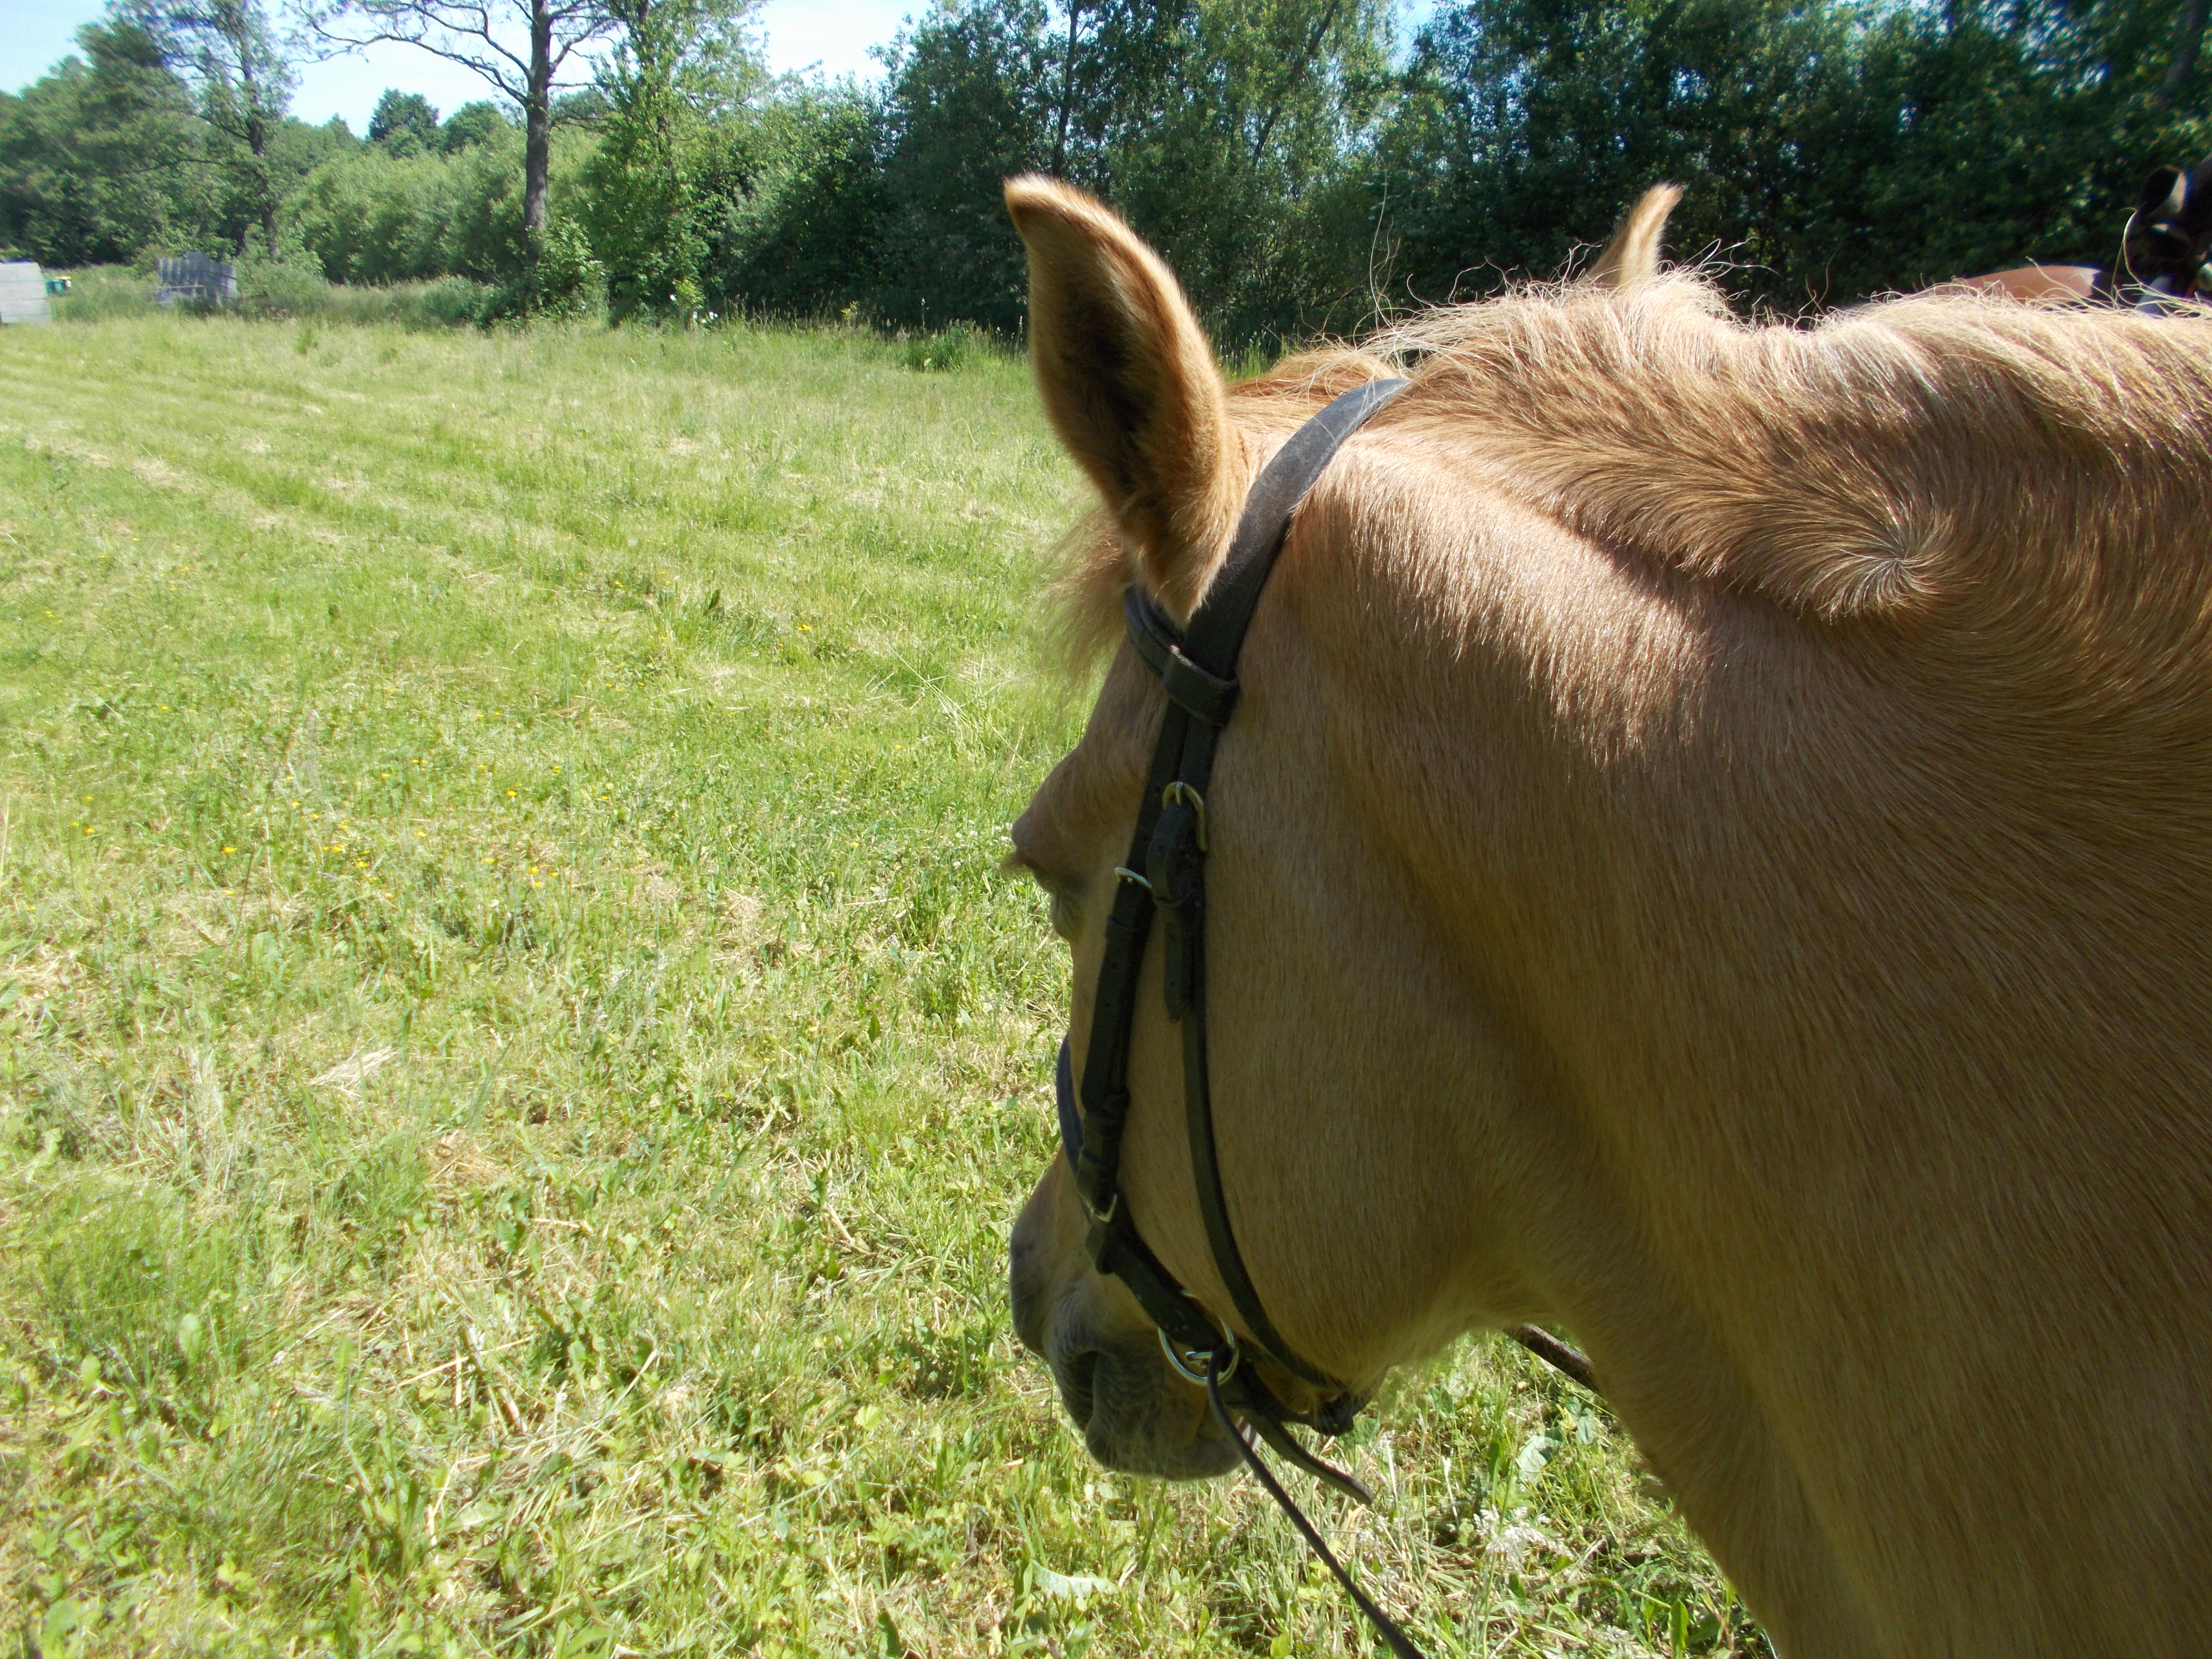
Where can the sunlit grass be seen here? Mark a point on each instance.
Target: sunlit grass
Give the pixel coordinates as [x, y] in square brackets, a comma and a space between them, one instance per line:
[517, 1061]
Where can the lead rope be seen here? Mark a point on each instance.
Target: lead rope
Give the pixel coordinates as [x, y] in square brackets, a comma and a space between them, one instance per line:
[1396, 1639]
[1563, 1357]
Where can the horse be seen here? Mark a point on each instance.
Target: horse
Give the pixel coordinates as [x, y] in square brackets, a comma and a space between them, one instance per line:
[2162, 265]
[1714, 853]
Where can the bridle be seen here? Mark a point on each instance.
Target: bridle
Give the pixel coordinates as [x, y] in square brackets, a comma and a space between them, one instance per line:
[1165, 877]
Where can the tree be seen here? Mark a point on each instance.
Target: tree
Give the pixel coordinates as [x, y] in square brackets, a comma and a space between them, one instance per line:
[1243, 158]
[677, 62]
[519, 48]
[104, 157]
[226, 52]
[795, 207]
[1830, 151]
[970, 103]
[479, 123]
[1227, 130]
[403, 122]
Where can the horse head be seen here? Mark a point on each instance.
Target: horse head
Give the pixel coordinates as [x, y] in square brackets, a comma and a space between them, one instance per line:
[1325, 1079]
[1709, 853]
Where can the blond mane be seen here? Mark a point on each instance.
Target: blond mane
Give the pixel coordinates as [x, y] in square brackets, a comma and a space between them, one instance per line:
[2037, 478]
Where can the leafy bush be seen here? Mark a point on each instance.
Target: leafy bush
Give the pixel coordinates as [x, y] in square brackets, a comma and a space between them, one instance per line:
[797, 207]
[282, 287]
[372, 216]
[946, 348]
[449, 302]
[566, 282]
[1299, 166]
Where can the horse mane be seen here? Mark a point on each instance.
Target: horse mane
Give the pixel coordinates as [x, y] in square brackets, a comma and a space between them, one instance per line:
[2022, 474]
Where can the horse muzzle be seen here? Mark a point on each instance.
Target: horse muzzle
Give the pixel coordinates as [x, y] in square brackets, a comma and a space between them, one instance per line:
[1136, 1414]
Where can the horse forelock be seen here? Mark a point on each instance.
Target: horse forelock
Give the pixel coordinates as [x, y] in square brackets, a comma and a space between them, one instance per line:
[2032, 474]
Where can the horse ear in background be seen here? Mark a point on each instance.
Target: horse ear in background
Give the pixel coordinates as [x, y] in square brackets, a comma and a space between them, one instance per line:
[1632, 255]
[2170, 232]
[1129, 383]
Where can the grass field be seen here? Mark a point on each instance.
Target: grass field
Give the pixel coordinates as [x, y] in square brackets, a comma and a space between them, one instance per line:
[517, 1059]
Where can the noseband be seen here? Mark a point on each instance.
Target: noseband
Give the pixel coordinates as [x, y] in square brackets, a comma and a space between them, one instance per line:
[1164, 876]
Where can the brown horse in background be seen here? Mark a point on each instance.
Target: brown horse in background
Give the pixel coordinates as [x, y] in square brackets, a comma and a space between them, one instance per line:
[1715, 853]
[2162, 253]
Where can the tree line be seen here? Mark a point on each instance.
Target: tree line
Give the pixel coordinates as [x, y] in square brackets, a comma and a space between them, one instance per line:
[1301, 166]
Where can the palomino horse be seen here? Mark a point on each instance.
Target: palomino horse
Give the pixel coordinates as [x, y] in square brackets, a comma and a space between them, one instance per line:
[1715, 853]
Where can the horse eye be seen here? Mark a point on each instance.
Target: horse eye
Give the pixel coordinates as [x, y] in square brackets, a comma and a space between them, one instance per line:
[1066, 912]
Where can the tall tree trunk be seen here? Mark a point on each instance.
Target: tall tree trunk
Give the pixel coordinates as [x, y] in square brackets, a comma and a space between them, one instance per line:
[1058, 169]
[538, 131]
[1291, 82]
[257, 142]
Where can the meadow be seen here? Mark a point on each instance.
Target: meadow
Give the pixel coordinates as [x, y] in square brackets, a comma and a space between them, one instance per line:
[518, 1056]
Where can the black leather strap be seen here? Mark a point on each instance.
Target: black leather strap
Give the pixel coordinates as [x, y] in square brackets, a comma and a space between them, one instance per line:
[1164, 873]
[1217, 629]
[1175, 854]
[1204, 695]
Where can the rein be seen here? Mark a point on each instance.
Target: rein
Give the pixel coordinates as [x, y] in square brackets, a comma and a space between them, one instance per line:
[1164, 878]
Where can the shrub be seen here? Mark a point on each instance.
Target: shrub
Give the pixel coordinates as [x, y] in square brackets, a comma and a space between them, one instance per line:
[946, 348]
[375, 217]
[283, 287]
[566, 280]
[99, 292]
[798, 206]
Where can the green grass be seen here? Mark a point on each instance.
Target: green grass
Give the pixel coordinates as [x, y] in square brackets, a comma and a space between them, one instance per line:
[105, 294]
[517, 1059]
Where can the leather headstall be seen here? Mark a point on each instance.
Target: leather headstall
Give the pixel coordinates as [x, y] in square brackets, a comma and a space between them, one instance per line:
[1164, 878]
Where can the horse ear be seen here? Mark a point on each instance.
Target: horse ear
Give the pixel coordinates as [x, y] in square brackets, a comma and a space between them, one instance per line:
[2165, 193]
[2196, 199]
[1632, 255]
[1129, 383]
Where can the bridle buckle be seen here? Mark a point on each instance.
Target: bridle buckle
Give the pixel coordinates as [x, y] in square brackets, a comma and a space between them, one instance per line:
[1180, 793]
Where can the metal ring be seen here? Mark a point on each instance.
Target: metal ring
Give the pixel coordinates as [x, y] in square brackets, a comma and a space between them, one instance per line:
[1127, 874]
[1179, 1361]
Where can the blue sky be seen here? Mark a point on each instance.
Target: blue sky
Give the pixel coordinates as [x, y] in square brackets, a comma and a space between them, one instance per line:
[832, 34]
